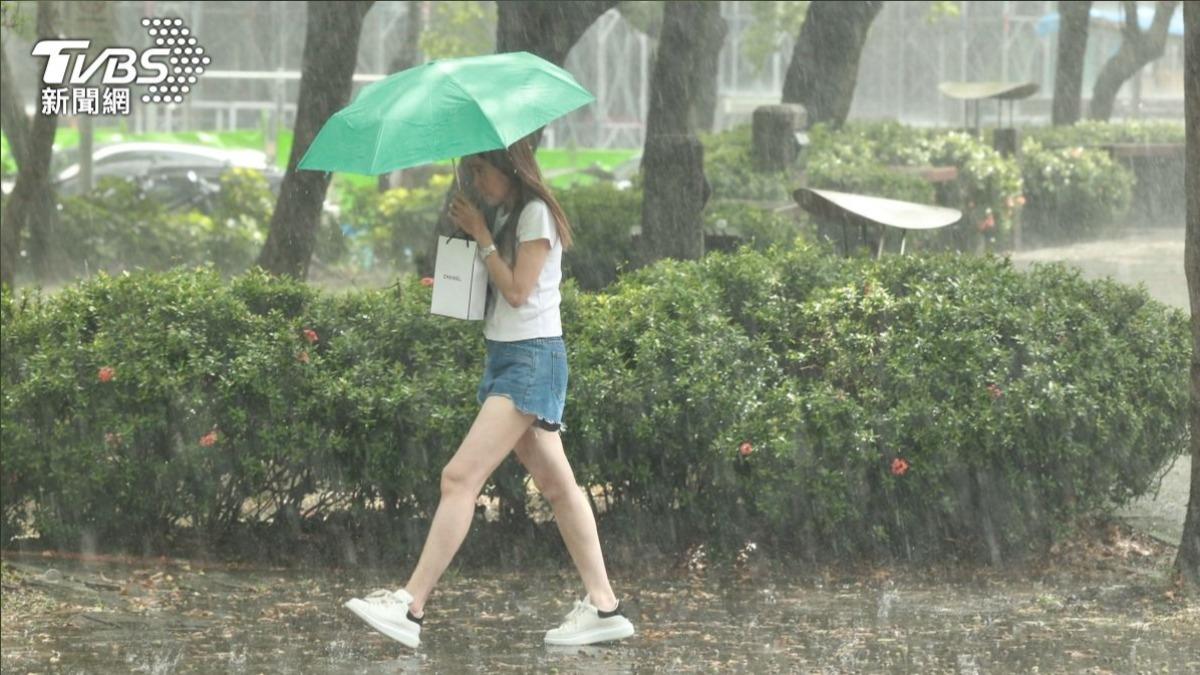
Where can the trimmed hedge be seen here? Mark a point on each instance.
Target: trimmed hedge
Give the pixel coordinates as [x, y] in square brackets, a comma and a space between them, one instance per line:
[860, 156]
[1058, 192]
[1159, 191]
[1072, 192]
[1094, 132]
[731, 173]
[764, 395]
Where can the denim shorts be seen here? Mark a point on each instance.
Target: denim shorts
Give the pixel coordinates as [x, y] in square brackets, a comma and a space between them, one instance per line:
[532, 374]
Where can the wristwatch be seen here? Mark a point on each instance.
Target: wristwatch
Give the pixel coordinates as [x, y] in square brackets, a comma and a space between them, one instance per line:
[486, 251]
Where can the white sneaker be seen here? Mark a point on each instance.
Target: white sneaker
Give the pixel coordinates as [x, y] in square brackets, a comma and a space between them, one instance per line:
[585, 626]
[387, 612]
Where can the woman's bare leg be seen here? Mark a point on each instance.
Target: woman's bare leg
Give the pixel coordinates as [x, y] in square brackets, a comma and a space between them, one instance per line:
[542, 454]
[493, 434]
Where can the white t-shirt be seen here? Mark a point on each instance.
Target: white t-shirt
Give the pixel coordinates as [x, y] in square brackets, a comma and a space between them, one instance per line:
[539, 316]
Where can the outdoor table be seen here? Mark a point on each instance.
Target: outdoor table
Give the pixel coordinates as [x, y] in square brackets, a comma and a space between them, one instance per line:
[864, 211]
[977, 91]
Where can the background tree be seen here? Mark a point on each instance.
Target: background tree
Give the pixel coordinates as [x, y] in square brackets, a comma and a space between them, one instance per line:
[647, 17]
[1138, 48]
[459, 29]
[548, 29]
[644, 16]
[13, 119]
[770, 24]
[32, 202]
[824, 67]
[675, 189]
[326, 72]
[1187, 562]
[1068, 70]
[406, 55]
[710, 33]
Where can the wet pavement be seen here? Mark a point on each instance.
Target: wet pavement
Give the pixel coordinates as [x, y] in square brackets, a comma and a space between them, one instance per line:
[1107, 609]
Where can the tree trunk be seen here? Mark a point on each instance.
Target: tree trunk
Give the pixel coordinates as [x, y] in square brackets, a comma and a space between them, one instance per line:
[407, 55]
[1188, 560]
[32, 201]
[675, 189]
[1137, 49]
[547, 29]
[1068, 72]
[824, 67]
[773, 145]
[711, 32]
[12, 112]
[674, 193]
[327, 68]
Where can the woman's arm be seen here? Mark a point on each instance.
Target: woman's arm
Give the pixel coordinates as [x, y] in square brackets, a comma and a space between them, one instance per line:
[516, 284]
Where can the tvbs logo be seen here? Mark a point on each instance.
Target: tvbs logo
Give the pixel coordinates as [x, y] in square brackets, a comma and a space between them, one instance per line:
[169, 69]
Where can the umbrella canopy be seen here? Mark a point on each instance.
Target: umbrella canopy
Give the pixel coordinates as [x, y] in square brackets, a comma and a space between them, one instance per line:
[443, 109]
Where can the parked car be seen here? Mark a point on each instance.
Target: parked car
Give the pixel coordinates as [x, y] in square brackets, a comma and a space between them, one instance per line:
[181, 176]
[129, 160]
[142, 159]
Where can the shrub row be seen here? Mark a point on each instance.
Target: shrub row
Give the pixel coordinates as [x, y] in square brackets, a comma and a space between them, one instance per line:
[1063, 185]
[915, 407]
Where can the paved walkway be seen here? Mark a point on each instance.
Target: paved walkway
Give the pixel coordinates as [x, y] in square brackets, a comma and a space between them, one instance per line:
[1155, 258]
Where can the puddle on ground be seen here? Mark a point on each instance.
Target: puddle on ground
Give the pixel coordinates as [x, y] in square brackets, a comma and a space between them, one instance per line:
[1152, 256]
[177, 617]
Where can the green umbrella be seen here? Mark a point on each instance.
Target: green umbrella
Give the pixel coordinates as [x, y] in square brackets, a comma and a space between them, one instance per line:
[444, 109]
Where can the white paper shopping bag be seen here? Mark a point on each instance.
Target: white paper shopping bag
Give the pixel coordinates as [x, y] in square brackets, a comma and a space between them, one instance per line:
[459, 280]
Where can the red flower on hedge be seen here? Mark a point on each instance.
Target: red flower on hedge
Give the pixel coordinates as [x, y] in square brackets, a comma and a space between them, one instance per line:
[310, 335]
[209, 439]
[899, 466]
[107, 374]
[303, 357]
[988, 222]
[427, 281]
[994, 391]
[745, 449]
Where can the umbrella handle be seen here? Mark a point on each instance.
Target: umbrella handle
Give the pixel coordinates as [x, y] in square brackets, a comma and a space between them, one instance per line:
[459, 186]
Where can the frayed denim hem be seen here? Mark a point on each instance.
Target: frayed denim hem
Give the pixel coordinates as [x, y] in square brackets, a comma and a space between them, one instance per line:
[536, 417]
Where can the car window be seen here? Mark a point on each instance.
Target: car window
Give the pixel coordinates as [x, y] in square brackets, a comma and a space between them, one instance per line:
[189, 158]
[158, 157]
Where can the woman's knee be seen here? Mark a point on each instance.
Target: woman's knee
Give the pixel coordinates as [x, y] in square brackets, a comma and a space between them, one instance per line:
[558, 492]
[556, 485]
[458, 481]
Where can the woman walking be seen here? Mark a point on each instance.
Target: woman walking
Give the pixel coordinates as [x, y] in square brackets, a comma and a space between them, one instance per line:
[522, 395]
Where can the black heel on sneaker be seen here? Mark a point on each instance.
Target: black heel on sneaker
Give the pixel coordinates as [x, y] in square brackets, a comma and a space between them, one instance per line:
[615, 611]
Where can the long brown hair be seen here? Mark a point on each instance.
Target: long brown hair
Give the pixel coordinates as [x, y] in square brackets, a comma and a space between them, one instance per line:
[518, 163]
